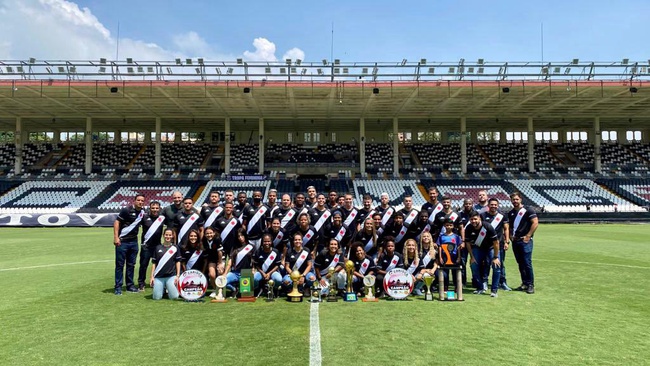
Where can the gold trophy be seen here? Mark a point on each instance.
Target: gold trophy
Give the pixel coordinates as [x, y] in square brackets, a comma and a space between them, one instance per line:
[369, 282]
[428, 280]
[315, 292]
[270, 296]
[295, 295]
[331, 294]
[220, 282]
[350, 295]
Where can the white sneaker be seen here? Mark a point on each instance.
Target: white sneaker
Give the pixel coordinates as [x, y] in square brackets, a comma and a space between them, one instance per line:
[213, 295]
[494, 294]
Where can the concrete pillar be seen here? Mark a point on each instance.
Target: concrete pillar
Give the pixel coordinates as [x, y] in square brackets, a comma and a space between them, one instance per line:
[18, 140]
[56, 138]
[177, 137]
[89, 145]
[463, 144]
[362, 145]
[158, 148]
[531, 146]
[444, 138]
[261, 146]
[395, 146]
[118, 137]
[227, 146]
[597, 138]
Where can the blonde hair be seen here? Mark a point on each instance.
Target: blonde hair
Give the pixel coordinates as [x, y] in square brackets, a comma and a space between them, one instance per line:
[405, 254]
[374, 231]
[432, 250]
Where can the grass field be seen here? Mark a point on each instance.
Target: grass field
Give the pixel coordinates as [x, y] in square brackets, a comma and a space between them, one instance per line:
[591, 307]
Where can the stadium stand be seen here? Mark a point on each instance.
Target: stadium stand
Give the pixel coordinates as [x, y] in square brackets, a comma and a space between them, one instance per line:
[120, 194]
[51, 196]
[378, 156]
[396, 189]
[634, 190]
[247, 186]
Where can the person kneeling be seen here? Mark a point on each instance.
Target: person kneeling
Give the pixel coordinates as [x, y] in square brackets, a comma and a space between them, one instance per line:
[166, 268]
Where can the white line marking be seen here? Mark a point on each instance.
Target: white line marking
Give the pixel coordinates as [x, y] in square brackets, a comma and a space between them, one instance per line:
[314, 336]
[594, 263]
[55, 265]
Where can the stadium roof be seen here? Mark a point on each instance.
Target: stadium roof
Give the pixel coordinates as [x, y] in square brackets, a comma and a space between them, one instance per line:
[328, 101]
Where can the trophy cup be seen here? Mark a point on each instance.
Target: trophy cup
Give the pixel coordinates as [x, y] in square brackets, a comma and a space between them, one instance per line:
[295, 295]
[428, 280]
[369, 282]
[270, 296]
[441, 286]
[350, 295]
[315, 292]
[220, 282]
[331, 294]
[459, 290]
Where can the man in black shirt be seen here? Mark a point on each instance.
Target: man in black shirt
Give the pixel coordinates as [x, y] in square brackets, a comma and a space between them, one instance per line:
[211, 211]
[186, 220]
[125, 239]
[152, 228]
[523, 223]
[170, 211]
[483, 246]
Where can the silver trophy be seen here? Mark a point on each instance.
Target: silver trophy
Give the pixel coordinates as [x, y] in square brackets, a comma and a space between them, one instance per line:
[270, 295]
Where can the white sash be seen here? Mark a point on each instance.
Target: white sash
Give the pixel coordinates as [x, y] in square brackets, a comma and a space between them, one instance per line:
[301, 259]
[256, 218]
[333, 264]
[243, 252]
[426, 259]
[435, 211]
[210, 244]
[426, 229]
[350, 217]
[407, 223]
[187, 225]
[165, 258]
[480, 237]
[520, 215]
[231, 224]
[412, 267]
[393, 263]
[213, 216]
[153, 228]
[341, 233]
[453, 216]
[195, 257]
[369, 245]
[134, 225]
[278, 238]
[364, 266]
[307, 237]
[285, 220]
[322, 220]
[269, 260]
[496, 220]
[387, 215]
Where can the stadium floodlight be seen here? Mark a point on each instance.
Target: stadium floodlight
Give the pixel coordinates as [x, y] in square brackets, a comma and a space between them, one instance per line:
[283, 70]
[288, 61]
[188, 61]
[61, 69]
[404, 61]
[481, 61]
[10, 69]
[240, 61]
[129, 70]
[325, 62]
[229, 71]
[451, 70]
[337, 61]
[625, 61]
[178, 61]
[567, 71]
[480, 70]
[423, 61]
[169, 71]
[319, 71]
[293, 70]
[345, 70]
[49, 69]
[200, 61]
[303, 72]
[129, 60]
[267, 70]
[32, 60]
[102, 61]
[298, 62]
[364, 71]
[432, 70]
[198, 71]
[337, 70]
[470, 70]
[556, 70]
[73, 69]
[150, 69]
[140, 70]
[575, 61]
[218, 70]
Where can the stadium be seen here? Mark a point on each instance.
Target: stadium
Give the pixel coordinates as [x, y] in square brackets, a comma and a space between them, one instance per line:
[81, 139]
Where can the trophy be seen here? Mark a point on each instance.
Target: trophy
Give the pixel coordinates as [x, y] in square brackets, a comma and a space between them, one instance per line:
[246, 286]
[441, 285]
[459, 279]
[428, 280]
[295, 295]
[350, 295]
[369, 283]
[269, 291]
[220, 282]
[315, 292]
[331, 294]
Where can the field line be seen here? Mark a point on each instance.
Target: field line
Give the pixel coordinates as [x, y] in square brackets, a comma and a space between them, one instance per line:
[314, 336]
[55, 265]
[593, 263]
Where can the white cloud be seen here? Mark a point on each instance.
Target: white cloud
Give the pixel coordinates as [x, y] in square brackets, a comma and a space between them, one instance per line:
[61, 30]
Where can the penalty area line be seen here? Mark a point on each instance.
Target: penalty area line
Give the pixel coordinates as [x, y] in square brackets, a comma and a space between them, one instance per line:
[314, 336]
[594, 263]
[55, 265]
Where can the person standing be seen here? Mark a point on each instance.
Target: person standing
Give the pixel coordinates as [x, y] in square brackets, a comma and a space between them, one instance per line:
[482, 242]
[500, 224]
[523, 224]
[170, 211]
[187, 219]
[152, 229]
[125, 239]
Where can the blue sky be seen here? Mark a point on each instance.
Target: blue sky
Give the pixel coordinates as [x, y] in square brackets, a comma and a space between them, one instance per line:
[363, 30]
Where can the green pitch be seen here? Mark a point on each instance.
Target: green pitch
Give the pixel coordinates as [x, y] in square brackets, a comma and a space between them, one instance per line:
[591, 307]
